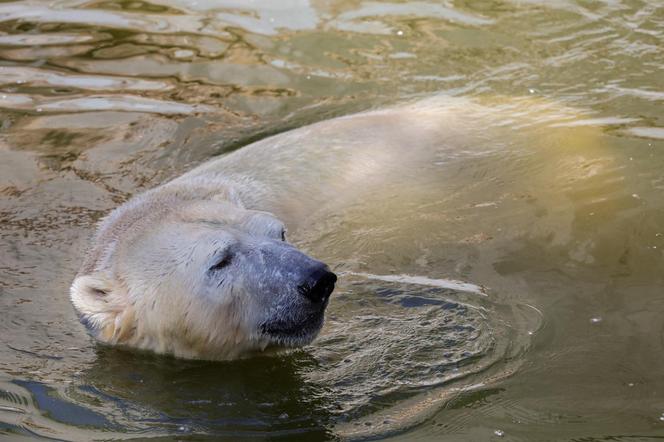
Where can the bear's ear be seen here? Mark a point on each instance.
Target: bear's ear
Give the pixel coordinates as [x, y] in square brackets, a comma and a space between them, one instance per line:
[97, 300]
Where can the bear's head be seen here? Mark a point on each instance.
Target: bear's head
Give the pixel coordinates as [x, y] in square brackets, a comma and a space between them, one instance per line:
[202, 279]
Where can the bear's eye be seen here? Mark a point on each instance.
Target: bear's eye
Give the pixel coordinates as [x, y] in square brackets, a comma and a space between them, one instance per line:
[223, 262]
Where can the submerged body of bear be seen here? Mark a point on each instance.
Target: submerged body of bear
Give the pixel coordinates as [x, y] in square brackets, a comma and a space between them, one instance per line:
[199, 266]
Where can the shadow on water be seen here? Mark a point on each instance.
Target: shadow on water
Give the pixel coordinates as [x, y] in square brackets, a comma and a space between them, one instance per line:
[131, 394]
[264, 395]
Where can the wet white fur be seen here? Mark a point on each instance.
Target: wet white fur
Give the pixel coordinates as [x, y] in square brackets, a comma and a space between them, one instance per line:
[141, 285]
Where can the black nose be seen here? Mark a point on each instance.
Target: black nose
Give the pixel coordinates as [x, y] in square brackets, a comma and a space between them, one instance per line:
[318, 286]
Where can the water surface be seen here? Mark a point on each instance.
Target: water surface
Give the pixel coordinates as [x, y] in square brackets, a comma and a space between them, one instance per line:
[559, 217]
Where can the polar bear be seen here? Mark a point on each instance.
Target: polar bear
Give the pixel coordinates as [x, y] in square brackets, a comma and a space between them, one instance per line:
[186, 269]
[199, 267]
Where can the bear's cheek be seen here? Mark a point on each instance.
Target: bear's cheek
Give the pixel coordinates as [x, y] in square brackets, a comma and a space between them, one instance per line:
[236, 311]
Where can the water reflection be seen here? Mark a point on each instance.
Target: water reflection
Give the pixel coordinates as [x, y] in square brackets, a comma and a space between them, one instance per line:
[265, 395]
[150, 396]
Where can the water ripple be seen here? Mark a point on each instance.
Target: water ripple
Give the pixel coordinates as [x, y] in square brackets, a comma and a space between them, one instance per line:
[128, 103]
[41, 77]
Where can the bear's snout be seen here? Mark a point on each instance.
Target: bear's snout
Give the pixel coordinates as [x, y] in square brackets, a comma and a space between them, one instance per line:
[318, 286]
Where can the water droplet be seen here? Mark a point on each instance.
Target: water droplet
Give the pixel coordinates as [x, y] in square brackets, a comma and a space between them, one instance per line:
[499, 433]
[532, 91]
[635, 195]
[631, 384]
[399, 32]
[596, 320]
[530, 333]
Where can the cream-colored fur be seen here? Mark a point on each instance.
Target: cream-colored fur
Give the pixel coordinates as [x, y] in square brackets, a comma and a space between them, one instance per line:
[147, 283]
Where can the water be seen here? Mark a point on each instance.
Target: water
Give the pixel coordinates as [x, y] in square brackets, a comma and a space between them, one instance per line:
[560, 219]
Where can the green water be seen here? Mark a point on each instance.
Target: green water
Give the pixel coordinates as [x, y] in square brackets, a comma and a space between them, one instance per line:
[562, 222]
